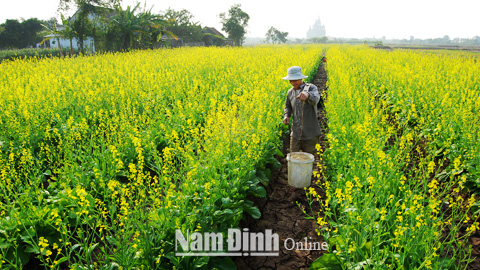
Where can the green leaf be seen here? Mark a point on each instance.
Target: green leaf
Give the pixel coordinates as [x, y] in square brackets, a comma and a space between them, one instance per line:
[23, 256]
[262, 177]
[443, 176]
[26, 235]
[32, 249]
[91, 248]
[368, 248]
[446, 263]
[337, 241]
[251, 174]
[228, 212]
[75, 247]
[226, 201]
[258, 191]
[252, 210]
[275, 163]
[327, 262]
[5, 245]
[359, 265]
[201, 262]
[279, 153]
[61, 260]
[221, 216]
[438, 152]
[72, 215]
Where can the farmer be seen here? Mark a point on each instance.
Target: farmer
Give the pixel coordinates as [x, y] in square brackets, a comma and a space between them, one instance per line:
[301, 103]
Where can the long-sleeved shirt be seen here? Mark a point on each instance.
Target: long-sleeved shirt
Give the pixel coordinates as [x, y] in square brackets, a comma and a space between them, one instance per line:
[293, 107]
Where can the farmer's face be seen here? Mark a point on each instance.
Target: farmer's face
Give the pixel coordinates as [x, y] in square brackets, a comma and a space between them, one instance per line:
[296, 83]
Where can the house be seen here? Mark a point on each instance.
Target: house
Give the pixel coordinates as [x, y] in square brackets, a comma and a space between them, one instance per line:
[89, 42]
[213, 37]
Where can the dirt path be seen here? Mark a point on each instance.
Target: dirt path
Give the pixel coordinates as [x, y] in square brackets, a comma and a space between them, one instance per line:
[281, 213]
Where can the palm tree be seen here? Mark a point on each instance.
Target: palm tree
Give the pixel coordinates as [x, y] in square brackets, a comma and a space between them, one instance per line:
[155, 26]
[131, 27]
[68, 32]
[53, 32]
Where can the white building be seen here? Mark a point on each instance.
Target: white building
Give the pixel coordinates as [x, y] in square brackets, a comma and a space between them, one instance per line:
[88, 42]
[317, 30]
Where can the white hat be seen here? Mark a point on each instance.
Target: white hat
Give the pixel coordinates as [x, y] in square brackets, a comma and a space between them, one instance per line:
[294, 73]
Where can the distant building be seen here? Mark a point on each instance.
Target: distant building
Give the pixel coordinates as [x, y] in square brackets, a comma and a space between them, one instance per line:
[88, 42]
[317, 30]
[213, 37]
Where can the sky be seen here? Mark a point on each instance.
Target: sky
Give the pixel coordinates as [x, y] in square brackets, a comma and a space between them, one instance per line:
[392, 19]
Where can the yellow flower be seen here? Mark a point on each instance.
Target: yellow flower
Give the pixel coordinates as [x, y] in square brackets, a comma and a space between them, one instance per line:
[428, 264]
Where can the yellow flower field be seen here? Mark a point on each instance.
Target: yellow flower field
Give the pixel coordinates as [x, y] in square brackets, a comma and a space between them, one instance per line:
[103, 157]
[404, 129]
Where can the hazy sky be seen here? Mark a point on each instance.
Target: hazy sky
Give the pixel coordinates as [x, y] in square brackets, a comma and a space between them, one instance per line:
[341, 18]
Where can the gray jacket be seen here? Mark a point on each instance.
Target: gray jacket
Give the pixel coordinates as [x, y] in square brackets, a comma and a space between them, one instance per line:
[293, 107]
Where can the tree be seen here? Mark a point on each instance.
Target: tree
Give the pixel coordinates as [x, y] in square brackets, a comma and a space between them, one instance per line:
[31, 29]
[132, 28]
[11, 34]
[446, 39]
[81, 24]
[128, 26]
[155, 26]
[235, 23]
[68, 32]
[182, 25]
[318, 40]
[53, 32]
[67, 4]
[275, 36]
[476, 40]
[17, 34]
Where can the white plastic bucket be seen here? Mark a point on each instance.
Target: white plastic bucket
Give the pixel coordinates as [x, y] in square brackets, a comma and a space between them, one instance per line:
[300, 168]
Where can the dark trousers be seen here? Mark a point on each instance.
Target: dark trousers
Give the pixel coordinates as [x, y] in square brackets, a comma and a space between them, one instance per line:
[304, 145]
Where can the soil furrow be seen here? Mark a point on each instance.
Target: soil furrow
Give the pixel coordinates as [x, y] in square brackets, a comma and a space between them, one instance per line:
[281, 212]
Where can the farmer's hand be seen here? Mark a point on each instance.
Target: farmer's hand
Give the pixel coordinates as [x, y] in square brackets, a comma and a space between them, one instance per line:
[286, 120]
[303, 96]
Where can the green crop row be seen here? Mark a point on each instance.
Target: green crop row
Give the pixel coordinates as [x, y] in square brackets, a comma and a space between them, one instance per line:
[403, 139]
[102, 158]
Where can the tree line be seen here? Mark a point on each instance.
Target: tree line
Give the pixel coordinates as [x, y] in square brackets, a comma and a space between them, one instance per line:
[15, 34]
[111, 27]
[115, 29]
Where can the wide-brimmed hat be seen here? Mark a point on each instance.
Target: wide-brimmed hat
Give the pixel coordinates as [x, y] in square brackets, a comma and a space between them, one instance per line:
[294, 73]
